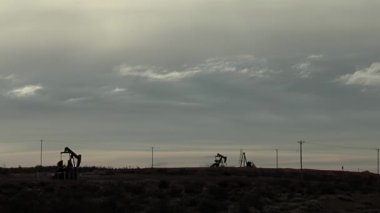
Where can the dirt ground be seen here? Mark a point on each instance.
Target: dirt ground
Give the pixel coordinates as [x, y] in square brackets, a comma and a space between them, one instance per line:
[189, 190]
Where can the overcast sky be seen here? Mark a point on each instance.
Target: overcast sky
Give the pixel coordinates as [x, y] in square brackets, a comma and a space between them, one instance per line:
[209, 75]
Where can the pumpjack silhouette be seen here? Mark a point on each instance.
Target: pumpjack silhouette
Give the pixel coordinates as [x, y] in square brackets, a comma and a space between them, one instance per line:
[70, 171]
[220, 161]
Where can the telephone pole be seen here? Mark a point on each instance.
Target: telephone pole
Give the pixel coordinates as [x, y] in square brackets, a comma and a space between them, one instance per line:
[241, 158]
[378, 150]
[152, 156]
[41, 153]
[301, 142]
[276, 158]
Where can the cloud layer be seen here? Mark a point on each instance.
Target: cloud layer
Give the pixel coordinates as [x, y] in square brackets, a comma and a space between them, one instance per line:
[134, 74]
[243, 64]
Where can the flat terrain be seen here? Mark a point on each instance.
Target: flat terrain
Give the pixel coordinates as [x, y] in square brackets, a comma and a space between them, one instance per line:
[189, 190]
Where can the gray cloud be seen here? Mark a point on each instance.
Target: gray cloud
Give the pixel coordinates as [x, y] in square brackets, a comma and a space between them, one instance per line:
[122, 74]
[118, 90]
[154, 73]
[306, 69]
[315, 57]
[8, 77]
[369, 76]
[244, 64]
[25, 91]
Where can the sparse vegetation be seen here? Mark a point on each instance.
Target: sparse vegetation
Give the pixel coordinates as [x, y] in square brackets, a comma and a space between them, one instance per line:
[189, 190]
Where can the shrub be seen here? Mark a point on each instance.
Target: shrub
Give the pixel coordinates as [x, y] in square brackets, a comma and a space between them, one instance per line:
[163, 184]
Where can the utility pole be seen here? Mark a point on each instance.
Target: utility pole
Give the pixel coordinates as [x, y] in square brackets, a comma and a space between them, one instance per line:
[41, 154]
[378, 150]
[301, 142]
[152, 156]
[276, 158]
[241, 158]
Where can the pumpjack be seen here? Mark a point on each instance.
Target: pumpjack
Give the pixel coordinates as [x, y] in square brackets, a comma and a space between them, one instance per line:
[243, 161]
[220, 161]
[70, 171]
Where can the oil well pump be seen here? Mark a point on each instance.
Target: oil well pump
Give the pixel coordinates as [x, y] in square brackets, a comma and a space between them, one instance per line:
[243, 161]
[220, 161]
[69, 171]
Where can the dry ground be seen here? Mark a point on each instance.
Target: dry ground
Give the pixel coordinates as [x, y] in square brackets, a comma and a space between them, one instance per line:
[189, 190]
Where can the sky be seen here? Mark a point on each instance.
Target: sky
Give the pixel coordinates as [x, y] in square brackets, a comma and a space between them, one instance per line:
[111, 79]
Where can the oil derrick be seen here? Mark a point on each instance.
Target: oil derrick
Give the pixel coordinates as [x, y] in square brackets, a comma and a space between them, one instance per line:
[243, 161]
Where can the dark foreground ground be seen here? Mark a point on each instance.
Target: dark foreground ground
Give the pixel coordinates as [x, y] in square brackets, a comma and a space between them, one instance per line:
[190, 190]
